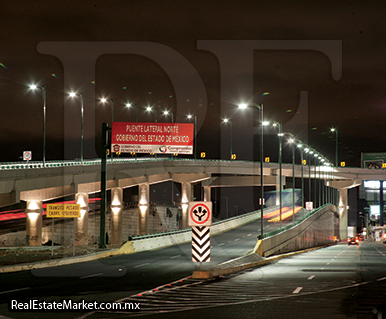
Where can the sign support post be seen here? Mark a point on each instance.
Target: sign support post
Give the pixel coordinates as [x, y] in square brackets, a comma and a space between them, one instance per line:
[52, 237]
[63, 211]
[200, 218]
[102, 235]
[73, 247]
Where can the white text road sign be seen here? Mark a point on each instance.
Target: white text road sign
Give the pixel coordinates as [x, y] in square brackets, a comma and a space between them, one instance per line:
[200, 214]
[63, 210]
[201, 244]
[161, 138]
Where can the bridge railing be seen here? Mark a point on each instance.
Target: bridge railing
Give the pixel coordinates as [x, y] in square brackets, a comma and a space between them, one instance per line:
[97, 161]
[285, 228]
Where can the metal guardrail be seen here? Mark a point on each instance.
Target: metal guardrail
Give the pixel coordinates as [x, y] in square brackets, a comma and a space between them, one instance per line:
[189, 228]
[141, 237]
[97, 161]
[278, 231]
[272, 233]
[117, 160]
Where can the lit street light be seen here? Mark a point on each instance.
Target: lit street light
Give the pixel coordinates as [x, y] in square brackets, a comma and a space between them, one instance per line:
[262, 123]
[149, 109]
[336, 157]
[195, 134]
[230, 123]
[280, 135]
[336, 145]
[128, 105]
[43, 88]
[103, 100]
[292, 142]
[72, 94]
[300, 146]
[166, 113]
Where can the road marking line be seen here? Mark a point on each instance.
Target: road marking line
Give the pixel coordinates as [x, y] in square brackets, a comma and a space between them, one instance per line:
[237, 239]
[327, 263]
[5, 292]
[297, 290]
[380, 279]
[141, 265]
[221, 244]
[249, 235]
[175, 256]
[311, 277]
[89, 276]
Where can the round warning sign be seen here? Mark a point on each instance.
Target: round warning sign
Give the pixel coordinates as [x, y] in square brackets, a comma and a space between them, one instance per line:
[27, 155]
[200, 213]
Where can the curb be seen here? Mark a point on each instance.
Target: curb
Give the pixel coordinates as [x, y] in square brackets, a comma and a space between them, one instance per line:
[60, 262]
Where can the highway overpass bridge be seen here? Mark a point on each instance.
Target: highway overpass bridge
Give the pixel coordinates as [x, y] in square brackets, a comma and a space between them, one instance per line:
[34, 184]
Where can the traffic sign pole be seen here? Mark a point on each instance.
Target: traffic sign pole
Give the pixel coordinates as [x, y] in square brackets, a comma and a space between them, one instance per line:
[52, 237]
[200, 218]
[102, 240]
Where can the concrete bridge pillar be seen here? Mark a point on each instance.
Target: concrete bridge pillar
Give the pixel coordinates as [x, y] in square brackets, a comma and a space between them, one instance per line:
[207, 193]
[186, 190]
[144, 204]
[81, 223]
[34, 222]
[342, 208]
[116, 215]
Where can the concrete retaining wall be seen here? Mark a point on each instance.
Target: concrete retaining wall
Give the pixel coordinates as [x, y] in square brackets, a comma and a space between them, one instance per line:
[316, 230]
[186, 236]
[64, 230]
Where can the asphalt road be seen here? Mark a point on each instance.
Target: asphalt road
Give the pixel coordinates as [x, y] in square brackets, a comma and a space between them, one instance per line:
[340, 281]
[118, 277]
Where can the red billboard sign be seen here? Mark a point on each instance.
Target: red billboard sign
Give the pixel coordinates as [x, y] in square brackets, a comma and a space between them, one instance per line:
[161, 138]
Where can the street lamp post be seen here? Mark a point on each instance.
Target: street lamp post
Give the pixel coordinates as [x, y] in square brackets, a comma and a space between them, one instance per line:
[336, 157]
[230, 124]
[320, 182]
[166, 113]
[43, 88]
[280, 171]
[112, 119]
[260, 107]
[72, 94]
[302, 176]
[261, 120]
[195, 134]
[336, 145]
[128, 105]
[149, 109]
[292, 141]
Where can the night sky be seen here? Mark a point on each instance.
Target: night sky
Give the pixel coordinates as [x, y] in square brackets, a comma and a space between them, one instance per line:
[99, 49]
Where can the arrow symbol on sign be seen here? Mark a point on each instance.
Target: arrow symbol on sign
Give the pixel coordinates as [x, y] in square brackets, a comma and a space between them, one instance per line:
[200, 212]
